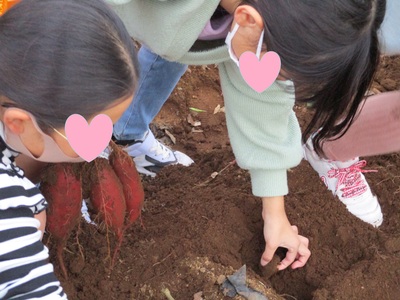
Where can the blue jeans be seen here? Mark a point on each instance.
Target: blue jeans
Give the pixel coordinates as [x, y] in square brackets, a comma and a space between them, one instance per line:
[158, 78]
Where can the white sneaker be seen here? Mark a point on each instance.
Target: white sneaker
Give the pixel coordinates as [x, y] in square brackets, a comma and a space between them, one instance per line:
[345, 180]
[151, 156]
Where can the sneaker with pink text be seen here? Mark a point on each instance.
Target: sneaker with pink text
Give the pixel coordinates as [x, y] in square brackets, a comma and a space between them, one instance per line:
[347, 182]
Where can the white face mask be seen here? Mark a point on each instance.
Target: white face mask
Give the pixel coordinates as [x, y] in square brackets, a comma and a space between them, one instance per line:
[228, 42]
[52, 153]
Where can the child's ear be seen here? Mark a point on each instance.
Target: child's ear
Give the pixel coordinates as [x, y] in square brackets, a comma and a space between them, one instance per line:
[15, 120]
[247, 16]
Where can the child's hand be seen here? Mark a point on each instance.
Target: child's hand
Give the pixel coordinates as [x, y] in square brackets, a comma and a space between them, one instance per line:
[279, 233]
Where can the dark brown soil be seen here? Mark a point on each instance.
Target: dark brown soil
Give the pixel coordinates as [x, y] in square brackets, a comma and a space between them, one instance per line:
[196, 228]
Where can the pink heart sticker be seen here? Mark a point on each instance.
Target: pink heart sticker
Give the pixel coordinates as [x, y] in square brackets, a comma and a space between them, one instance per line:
[259, 74]
[88, 141]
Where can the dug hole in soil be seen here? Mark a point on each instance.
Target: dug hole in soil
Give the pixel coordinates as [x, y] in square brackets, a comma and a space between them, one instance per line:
[197, 228]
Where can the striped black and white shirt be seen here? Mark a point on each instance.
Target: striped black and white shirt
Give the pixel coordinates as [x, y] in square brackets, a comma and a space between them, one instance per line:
[24, 269]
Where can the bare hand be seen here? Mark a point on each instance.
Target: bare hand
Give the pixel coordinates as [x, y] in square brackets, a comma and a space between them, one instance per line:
[279, 233]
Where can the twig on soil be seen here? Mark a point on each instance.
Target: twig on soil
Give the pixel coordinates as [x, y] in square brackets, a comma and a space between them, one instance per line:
[67, 250]
[215, 174]
[167, 294]
[386, 179]
[290, 296]
[161, 261]
[77, 242]
[303, 191]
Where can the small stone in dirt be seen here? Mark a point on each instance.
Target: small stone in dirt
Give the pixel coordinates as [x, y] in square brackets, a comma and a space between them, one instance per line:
[214, 174]
[198, 296]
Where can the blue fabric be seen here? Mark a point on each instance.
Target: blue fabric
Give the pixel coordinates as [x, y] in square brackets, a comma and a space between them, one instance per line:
[390, 30]
[158, 78]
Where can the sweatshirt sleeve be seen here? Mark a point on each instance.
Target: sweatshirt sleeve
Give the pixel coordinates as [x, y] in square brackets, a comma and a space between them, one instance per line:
[263, 130]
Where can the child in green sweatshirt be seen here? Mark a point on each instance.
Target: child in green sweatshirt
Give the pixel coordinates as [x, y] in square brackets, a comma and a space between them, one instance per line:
[329, 53]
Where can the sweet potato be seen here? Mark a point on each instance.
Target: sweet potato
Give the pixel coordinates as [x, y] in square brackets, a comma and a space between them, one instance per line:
[108, 200]
[107, 196]
[61, 187]
[125, 168]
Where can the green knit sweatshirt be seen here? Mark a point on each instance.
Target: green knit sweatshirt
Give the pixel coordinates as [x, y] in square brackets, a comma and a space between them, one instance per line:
[263, 129]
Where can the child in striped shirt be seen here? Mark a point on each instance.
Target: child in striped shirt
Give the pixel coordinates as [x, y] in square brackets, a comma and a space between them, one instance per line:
[57, 58]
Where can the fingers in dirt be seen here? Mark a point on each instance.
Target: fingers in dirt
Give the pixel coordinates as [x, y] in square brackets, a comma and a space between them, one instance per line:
[268, 254]
[288, 260]
[302, 258]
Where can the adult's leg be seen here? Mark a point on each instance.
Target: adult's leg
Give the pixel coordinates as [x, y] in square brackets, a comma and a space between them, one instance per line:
[158, 78]
[375, 131]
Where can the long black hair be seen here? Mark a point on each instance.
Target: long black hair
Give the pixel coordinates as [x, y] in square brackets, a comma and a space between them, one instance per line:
[60, 57]
[330, 49]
